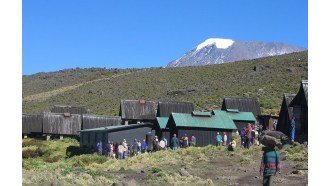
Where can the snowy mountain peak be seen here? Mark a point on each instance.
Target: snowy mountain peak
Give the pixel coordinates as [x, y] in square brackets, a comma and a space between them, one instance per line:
[219, 43]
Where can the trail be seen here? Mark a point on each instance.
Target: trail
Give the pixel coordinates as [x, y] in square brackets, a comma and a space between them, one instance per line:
[45, 95]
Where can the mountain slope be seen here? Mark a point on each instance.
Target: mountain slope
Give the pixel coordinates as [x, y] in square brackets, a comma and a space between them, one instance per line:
[217, 51]
[266, 79]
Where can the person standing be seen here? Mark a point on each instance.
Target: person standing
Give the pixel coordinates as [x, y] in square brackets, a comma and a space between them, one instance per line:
[193, 141]
[143, 146]
[174, 142]
[120, 151]
[242, 134]
[162, 144]
[109, 149]
[270, 164]
[218, 139]
[99, 147]
[125, 151]
[185, 143]
[293, 128]
[224, 139]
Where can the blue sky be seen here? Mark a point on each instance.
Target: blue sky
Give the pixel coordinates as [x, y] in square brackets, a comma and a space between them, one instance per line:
[63, 34]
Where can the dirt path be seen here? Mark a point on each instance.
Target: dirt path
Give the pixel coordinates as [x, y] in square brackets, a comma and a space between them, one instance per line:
[45, 95]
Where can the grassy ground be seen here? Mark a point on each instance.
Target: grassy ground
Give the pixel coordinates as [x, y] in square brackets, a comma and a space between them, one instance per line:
[48, 163]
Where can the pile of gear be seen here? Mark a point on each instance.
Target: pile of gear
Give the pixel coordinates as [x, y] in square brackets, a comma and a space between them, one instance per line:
[273, 138]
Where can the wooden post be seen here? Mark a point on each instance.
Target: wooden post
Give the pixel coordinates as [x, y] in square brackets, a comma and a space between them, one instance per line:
[61, 137]
[47, 137]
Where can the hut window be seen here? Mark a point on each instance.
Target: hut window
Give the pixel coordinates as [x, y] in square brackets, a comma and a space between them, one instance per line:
[67, 114]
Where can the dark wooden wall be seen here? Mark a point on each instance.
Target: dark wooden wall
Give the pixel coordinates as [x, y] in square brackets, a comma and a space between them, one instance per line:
[204, 137]
[31, 123]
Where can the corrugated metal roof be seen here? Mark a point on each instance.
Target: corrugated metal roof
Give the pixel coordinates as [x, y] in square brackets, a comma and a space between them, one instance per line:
[217, 122]
[108, 128]
[162, 121]
[238, 116]
[242, 104]
[166, 108]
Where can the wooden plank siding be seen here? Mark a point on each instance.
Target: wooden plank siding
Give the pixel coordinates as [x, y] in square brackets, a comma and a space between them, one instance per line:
[56, 123]
[300, 111]
[70, 109]
[96, 121]
[137, 110]
[32, 123]
[165, 109]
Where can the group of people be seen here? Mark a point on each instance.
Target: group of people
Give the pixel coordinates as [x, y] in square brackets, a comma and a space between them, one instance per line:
[122, 150]
[184, 142]
[249, 136]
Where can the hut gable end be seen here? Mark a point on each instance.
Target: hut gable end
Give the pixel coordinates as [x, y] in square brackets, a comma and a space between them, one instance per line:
[242, 104]
[137, 110]
[165, 109]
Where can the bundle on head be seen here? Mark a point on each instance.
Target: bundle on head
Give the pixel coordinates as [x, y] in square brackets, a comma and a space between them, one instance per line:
[276, 134]
[268, 140]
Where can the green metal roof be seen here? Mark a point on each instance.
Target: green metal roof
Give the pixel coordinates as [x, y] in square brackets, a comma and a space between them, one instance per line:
[195, 113]
[238, 116]
[162, 121]
[215, 121]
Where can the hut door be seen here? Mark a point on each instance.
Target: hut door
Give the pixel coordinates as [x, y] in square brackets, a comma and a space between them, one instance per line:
[297, 114]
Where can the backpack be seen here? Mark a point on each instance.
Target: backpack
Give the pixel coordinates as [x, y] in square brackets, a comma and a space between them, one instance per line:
[219, 138]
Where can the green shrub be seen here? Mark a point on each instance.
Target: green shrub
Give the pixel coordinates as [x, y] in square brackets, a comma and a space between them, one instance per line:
[31, 152]
[86, 159]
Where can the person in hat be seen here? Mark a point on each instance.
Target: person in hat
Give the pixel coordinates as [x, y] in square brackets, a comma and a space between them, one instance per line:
[270, 164]
[218, 139]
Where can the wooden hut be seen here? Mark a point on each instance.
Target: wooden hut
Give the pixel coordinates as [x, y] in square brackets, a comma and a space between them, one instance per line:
[95, 121]
[166, 108]
[31, 124]
[203, 125]
[160, 128]
[69, 109]
[300, 111]
[90, 137]
[268, 121]
[137, 111]
[285, 115]
[242, 104]
[241, 119]
[61, 124]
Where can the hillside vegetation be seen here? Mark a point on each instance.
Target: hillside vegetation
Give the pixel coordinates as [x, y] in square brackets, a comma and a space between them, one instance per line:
[100, 90]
